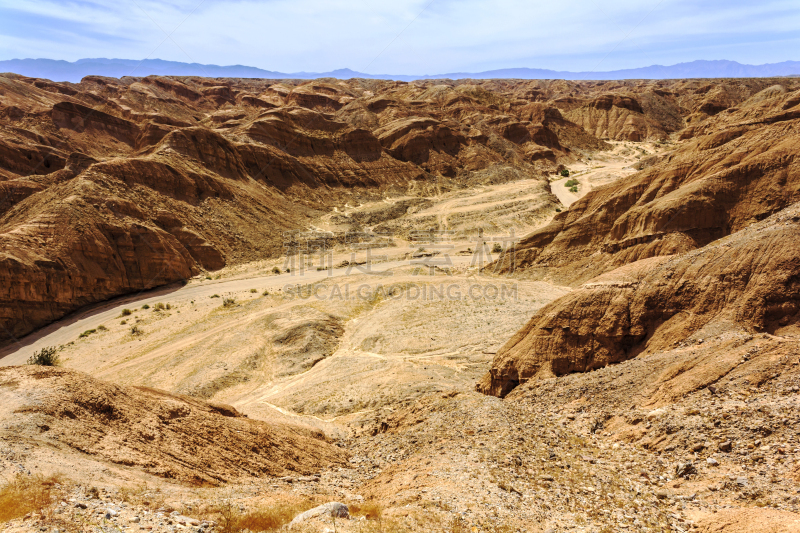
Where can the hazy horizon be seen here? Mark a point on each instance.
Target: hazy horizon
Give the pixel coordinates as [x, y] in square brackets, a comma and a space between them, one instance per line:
[408, 37]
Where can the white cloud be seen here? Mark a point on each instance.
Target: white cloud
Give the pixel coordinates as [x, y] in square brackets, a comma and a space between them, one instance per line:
[448, 36]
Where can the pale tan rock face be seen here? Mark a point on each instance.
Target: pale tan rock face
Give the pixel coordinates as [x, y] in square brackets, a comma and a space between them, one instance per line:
[616, 117]
[738, 173]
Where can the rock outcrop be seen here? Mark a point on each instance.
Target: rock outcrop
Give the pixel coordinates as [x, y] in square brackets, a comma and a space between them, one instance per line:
[117, 185]
[175, 437]
[699, 241]
[618, 117]
[748, 281]
[739, 172]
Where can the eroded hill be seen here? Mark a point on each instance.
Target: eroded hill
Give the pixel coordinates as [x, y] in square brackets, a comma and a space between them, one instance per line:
[654, 388]
[112, 186]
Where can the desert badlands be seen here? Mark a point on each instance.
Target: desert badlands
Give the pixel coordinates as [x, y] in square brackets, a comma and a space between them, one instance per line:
[366, 305]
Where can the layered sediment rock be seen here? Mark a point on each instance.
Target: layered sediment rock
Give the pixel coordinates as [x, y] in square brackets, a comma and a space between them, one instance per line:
[700, 240]
[171, 436]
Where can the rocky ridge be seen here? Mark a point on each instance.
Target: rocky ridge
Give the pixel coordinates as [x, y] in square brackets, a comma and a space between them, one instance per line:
[111, 186]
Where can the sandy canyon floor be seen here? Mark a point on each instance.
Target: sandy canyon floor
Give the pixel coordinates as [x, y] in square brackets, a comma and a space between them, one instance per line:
[383, 358]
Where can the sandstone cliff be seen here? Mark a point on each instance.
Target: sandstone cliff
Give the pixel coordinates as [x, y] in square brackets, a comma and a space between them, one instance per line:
[116, 185]
[741, 170]
[748, 281]
[699, 241]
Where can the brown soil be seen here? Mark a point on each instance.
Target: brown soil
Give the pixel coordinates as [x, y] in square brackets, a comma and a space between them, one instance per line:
[654, 388]
[59, 412]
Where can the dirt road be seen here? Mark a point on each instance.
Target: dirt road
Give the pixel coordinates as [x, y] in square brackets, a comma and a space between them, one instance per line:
[68, 328]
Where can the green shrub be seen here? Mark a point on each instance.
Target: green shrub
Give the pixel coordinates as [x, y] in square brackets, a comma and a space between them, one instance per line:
[253, 291]
[573, 189]
[45, 357]
[571, 183]
[126, 312]
[565, 173]
[145, 306]
[265, 293]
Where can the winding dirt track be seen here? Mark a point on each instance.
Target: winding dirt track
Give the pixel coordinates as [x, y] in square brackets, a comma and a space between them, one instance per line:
[68, 328]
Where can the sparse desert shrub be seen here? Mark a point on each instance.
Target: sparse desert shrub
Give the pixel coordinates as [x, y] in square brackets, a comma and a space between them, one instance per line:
[368, 509]
[565, 173]
[229, 301]
[25, 494]
[159, 307]
[458, 525]
[145, 306]
[149, 497]
[101, 327]
[87, 333]
[276, 270]
[123, 322]
[126, 312]
[270, 518]
[47, 356]
[209, 277]
[265, 293]
[253, 291]
[496, 249]
[558, 209]
[214, 296]
[136, 330]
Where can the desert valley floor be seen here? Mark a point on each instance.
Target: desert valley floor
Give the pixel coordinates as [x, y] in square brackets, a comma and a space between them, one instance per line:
[523, 306]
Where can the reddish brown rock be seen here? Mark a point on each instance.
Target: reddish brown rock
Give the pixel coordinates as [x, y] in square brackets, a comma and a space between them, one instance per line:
[707, 189]
[86, 167]
[746, 282]
[175, 437]
[618, 117]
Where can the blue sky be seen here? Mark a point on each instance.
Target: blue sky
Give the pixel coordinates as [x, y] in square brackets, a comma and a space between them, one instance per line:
[405, 36]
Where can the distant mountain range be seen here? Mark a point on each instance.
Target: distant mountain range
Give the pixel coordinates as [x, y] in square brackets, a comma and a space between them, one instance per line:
[57, 70]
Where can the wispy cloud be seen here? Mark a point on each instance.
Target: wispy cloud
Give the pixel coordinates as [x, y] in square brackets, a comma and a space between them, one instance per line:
[450, 35]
